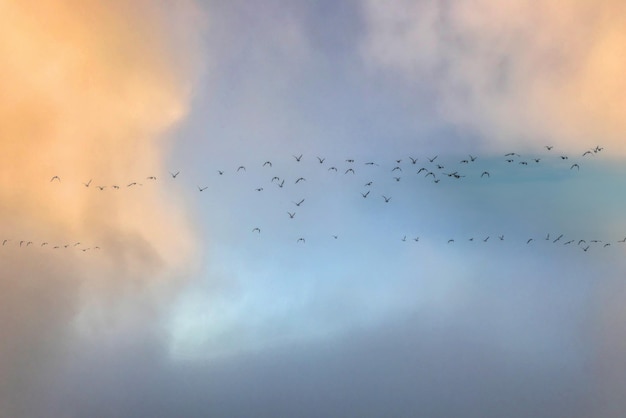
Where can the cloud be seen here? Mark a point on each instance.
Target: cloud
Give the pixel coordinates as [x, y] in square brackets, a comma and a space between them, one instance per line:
[90, 91]
[516, 73]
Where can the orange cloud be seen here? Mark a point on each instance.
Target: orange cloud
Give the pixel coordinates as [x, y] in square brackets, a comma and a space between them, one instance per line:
[90, 91]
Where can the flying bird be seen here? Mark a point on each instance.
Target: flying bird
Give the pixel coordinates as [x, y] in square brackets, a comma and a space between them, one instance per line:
[485, 172]
[575, 165]
[472, 158]
[369, 183]
[397, 178]
[396, 168]
[101, 187]
[413, 160]
[349, 171]
[260, 189]
[203, 188]
[549, 147]
[298, 158]
[365, 194]
[55, 178]
[301, 240]
[349, 160]
[88, 183]
[332, 168]
[267, 163]
[529, 240]
[298, 203]
[151, 178]
[220, 172]
[241, 168]
[174, 175]
[432, 159]
[387, 199]
[291, 215]
[300, 179]
[450, 240]
[256, 230]
[321, 160]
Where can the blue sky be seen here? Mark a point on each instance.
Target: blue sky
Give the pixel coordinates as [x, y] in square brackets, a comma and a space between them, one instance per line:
[432, 304]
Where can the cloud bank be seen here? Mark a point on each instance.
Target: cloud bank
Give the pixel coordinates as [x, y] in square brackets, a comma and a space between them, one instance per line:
[90, 90]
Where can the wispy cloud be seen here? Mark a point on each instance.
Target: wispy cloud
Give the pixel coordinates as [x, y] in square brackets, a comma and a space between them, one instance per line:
[517, 72]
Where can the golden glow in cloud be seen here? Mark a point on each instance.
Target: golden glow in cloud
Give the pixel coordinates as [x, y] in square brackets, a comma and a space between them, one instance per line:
[89, 91]
[517, 72]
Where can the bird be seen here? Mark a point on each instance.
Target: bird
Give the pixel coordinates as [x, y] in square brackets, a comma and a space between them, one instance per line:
[369, 183]
[472, 158]
[399, 161]
[511, 154]
[397, 178]
[464, 162]
[256, 230]
[101, 187]
[5, 241]
[396, 168]
[77, 243]
[321, 160]
[588, 152]
[44, 243]
[622, 240]
[88, 183]
[564, 157]
[549, 147]
[301, 240]
[403, 239]
[275, 178]
[349, 171]
[371, 163]
[537, 159]
[151, 178]
[582, 241]
[365, 194]
[298, 158]
[558, 238]
[174, 175]
[433, 159]
[387, 199]
[450, 240]
[291, 215]
[523, 163]
[413, 160]
[55, 177]
[203, 188]
[300, 179]
[568, 242]
[349, 160]
[585, 248]
[241, 168]
[260, 189]
[21, 242]
[509, 160]
[485, 172]
[416, 239]
[501, 237]
[131, 184]
[332, 168]
[281, 184]
[335, 236]
[115, 186]
[606, 245]
[529, 240]
[575, 165]
[298, 203]
[267, 163]
[220, 172]
[485, 240]
[548, 237]
[422, 169]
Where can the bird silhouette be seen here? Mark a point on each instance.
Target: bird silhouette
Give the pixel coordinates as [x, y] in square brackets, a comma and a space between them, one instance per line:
[256, 230]
[365, 194]
[349, 160]
[433, 159]
[575, 165]
[299, 203]
[55, 178]
[300, 179]
[321, 160]
[472, 158]
[529, 240]
[549, 147]
[203, 188]
[151, 178]
[397, 178]
[174, 175]
[298, 158]
[349, 171]
[387, 199]
[396, 168]
[291, 215]
[332, 168]
[88, 183]
[485, 173]
[450, 241]
[369, 183]
[101, 187]
[413, 160]
[267, 163]
[260, 189]
[241, 168]
[301, 240]
[220, 172]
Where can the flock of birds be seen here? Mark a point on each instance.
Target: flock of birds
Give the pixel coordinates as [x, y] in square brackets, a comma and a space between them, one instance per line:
[432, 168]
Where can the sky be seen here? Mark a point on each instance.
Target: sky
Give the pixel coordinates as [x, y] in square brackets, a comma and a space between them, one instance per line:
[302, 209]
